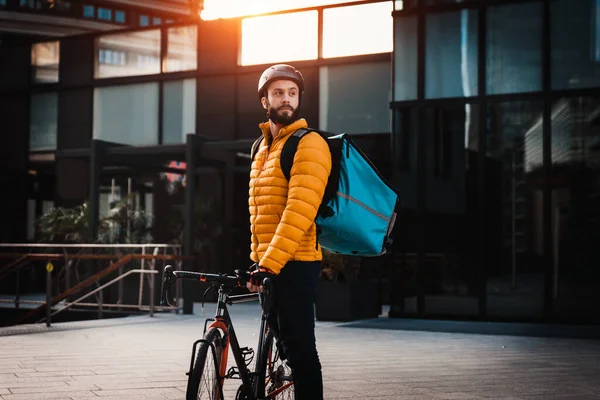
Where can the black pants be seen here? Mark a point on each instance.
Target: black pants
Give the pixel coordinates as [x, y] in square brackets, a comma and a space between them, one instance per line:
[293, 321]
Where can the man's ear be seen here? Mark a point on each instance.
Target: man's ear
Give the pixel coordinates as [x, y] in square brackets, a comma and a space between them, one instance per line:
[264, 103]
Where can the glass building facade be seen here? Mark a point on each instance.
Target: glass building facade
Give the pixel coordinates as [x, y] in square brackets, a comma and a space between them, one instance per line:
[495, 126]
[484, 114]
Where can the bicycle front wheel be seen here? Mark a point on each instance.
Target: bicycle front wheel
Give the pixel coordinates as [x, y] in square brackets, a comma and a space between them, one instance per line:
[203, 382]
[279, 384]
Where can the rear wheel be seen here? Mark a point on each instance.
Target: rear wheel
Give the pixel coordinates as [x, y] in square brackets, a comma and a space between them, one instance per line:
[203, 382]
[279, 384]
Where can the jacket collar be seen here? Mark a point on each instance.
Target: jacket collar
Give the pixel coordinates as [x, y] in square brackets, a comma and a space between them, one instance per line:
[285, 131]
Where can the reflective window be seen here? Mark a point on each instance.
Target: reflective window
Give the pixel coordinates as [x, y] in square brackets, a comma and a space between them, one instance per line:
[45, 58]
[89, 11]
[405, 146]
[43, 121]
[120, 16]
[405, 58]
[2, 3]
[575, 40]
[181, 49]
[451, 54]
[31, 216]
[514, 48]
[451, 267]
[138, 54]
[355, 98]
[111, 57]
[144, 20]
[105, 14]
[127, 114]
[179, 110]
[342, 38]
[515, 265]
[575, 188]
[255, 50]
[156, 21]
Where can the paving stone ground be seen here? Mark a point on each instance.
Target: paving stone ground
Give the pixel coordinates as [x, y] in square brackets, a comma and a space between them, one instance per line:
[146, 358]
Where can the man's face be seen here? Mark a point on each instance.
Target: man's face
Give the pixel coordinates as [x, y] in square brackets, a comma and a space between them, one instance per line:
[281, 102]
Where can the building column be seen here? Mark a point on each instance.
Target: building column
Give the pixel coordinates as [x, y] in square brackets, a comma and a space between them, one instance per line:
[97, 150]
[191, 159]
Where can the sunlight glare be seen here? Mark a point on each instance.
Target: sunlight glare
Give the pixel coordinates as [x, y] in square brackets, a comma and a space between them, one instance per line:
[342, 37]
[266, 39]
[215, 9]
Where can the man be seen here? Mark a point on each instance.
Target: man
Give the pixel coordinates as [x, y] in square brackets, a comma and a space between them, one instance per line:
[282, 220]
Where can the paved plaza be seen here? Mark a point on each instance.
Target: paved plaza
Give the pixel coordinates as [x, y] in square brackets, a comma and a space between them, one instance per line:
[146, 358]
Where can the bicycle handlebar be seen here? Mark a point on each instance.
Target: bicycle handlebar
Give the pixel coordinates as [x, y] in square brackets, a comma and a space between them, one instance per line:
[169, 277]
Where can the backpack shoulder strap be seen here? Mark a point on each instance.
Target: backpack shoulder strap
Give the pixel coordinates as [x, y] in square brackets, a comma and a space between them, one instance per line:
[255, 147]
[289, 151]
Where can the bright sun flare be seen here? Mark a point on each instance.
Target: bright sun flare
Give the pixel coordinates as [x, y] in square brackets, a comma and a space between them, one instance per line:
[214, 9]
[340, 36]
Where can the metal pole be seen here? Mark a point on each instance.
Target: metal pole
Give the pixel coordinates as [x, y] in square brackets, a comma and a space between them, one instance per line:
[188, 231]
[113, 190]
[67, 273]
[178, 283]
[141, 286]
[151, 294]
[18, 294]
[556, 249]
[48, 295]
[120, 287]
[129, 207]
[514, 221]
[100, 301]
[96, 149]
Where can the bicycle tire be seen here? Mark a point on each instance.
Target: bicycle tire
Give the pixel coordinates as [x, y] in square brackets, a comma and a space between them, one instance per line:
[204, 358]
[278, 377]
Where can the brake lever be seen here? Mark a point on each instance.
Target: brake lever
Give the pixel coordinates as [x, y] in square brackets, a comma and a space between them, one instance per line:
[243, 276]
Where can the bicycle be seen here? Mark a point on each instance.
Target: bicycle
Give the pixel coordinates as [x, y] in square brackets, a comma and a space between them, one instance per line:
[271, 377]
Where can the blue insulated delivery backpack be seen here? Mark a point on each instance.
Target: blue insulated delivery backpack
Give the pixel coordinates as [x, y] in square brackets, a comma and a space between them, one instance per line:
[358, 210]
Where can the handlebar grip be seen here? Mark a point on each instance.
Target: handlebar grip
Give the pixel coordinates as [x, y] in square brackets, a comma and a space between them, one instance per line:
[168, 277]
[267, 295]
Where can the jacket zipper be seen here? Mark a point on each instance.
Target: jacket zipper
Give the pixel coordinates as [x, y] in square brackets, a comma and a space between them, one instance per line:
[262, 168]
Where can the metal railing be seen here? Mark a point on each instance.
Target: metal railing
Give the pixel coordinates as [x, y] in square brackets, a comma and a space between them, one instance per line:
[147, 268]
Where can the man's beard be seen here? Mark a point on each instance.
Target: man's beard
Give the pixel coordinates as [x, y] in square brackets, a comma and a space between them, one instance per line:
[278, 117]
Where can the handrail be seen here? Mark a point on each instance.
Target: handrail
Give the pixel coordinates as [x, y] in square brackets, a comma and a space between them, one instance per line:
[91, 245]
[7, 268]
[94, 278]
[118, 278]
[53, 256]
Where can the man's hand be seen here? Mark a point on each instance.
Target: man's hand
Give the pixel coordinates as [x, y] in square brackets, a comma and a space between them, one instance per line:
[254, 284]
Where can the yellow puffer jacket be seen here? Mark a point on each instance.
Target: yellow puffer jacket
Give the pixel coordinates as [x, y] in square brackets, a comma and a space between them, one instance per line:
[282, 213]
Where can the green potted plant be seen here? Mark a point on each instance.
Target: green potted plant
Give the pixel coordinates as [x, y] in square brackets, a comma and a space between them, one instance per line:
[121, 225]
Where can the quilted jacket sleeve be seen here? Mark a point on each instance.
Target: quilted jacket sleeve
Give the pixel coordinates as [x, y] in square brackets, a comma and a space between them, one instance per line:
[308, 178]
